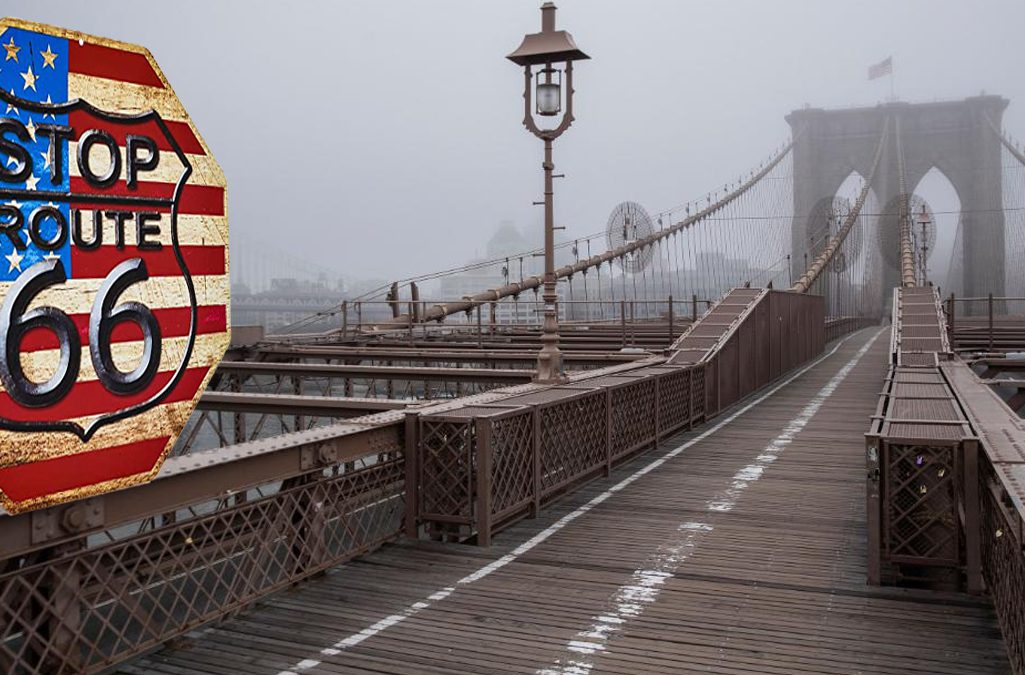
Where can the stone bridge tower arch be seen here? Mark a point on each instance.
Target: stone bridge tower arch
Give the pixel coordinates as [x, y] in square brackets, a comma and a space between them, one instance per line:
[953, 136]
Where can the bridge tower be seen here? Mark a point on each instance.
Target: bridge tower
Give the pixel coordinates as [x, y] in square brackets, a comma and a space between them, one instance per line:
[956, 137]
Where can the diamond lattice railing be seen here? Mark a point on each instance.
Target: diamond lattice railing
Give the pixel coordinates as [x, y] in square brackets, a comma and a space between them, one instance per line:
[1003, 566]
[633, 416]
[922, 504]
[512, 472]
[573, 439]
[446, 447]
[674, 400]
[87, 608]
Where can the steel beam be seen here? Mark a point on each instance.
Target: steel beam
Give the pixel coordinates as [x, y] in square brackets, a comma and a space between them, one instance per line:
[292, 404]
[213, 474]
[417, 374]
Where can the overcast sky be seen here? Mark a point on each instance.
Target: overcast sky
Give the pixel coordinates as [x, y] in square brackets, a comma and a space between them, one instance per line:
[384, 138]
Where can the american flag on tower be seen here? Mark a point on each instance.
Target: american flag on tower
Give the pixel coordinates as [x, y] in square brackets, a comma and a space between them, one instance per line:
[884, 67]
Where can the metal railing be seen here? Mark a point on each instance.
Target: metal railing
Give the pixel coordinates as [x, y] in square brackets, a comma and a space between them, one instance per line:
[922, 459]
[478, 467]
[986, 324]
[166, 560]
[358, 317]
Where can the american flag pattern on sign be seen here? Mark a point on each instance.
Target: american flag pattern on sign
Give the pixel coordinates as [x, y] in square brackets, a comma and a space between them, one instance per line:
[117, 176]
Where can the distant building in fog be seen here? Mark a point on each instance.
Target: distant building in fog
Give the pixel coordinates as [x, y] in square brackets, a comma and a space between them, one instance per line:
[285, 302]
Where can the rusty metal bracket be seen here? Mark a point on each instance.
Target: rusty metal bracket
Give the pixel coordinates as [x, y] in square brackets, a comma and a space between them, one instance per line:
[59, 522]
[317, 457]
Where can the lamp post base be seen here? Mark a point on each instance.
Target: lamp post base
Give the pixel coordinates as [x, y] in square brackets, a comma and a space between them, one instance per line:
[549, 359]
[549, 369]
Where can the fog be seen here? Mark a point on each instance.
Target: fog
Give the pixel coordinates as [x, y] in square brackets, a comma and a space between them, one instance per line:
[383, 139]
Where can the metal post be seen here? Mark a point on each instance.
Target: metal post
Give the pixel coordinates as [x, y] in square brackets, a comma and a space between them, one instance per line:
[414, 296]
[694, 308]
[345, 318]
[633, 321]
[411, 314]
[239, 419]
[549, 360]
[973, 519]
[672, 335]
[953, 320]
[535, 445]
[990, 322]
[393, 299]
[484, 506]
[622, 319]
[412, 475]
[297, 388]
[608, 432]
[480, 334]
[658, 411]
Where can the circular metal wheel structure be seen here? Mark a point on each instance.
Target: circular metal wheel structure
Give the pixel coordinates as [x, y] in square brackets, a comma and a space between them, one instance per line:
[917, 204]
[827, 218]
[629, 222]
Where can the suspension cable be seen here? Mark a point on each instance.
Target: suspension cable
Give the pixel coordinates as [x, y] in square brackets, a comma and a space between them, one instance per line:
[1015, 152]
[440, 311]
[907, 249]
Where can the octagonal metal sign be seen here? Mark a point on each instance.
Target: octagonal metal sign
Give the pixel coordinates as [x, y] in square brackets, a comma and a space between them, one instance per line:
[113, 265]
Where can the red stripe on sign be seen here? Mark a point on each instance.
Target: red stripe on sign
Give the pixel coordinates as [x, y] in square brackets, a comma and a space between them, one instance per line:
[111, 63]
[91, 398]
[81, 121]
[37, 479]
[200, 200]
[174, 322]
[98, 262]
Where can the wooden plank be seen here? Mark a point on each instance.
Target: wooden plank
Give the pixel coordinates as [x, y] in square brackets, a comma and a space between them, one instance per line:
[776, 585]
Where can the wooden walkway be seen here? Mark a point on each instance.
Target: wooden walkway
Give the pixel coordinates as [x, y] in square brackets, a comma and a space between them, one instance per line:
[744, 552]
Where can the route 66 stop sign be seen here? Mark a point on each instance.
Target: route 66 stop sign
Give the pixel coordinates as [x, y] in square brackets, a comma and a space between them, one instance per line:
[113, 265]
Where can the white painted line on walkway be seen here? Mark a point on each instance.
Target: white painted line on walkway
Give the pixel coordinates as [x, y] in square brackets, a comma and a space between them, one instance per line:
[417, 607]
[645, 584]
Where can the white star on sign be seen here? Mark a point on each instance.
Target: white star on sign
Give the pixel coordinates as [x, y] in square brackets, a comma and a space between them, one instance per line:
[12, 160]
[46, 159]
[51, 256]
[14, 260]
[11, 107]
[31, 127]
[30, 79]
[49, 101]
[15, 204]
[48, 58]
[30, 182]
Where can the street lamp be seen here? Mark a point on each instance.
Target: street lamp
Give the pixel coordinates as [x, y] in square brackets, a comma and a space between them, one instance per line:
[924, 220]
[547, 56]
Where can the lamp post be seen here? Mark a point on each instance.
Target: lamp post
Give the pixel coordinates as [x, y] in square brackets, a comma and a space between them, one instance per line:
[548, 56]
[924, 220]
